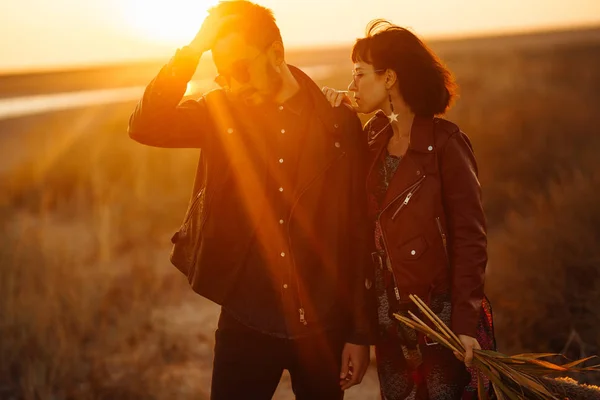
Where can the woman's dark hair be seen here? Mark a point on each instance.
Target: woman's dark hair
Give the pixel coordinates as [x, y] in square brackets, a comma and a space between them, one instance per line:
[427, 87]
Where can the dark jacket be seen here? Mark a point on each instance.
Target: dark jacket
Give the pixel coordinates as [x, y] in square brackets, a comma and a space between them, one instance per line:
[432, 217]
[328, 220]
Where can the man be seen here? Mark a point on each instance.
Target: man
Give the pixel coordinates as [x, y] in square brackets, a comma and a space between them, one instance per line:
[276, 231]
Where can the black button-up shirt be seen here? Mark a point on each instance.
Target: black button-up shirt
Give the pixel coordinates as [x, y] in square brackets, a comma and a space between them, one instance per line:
[266, 296]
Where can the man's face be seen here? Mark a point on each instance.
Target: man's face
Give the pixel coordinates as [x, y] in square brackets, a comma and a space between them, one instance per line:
[246, 70]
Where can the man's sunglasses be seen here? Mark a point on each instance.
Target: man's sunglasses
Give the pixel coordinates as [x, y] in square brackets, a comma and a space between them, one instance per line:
[239, 70]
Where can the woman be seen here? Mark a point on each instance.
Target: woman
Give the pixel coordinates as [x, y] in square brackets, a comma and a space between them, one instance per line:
[425, 200]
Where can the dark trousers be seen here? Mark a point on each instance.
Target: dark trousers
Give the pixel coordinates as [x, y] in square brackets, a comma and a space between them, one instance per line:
[248, 364]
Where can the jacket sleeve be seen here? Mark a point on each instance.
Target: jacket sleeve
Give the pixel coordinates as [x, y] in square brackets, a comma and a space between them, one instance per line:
[467, 232]
[159, 119]
[363, 307]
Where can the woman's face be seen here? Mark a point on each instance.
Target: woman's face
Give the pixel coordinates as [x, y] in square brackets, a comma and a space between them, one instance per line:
[368, 85]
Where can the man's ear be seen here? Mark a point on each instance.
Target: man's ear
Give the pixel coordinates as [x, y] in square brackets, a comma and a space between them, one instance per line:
[278, 53]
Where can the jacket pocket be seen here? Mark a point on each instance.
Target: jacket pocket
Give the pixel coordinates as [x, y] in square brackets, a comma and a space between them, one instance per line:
[187, 239]
[413, 249]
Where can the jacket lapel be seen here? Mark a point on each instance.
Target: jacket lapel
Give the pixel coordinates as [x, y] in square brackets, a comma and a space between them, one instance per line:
[323, 143]
[379, 136]
[408, 173]
[419, 159]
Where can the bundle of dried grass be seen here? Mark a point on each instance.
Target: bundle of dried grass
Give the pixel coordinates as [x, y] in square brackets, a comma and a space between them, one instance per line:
[522, 376]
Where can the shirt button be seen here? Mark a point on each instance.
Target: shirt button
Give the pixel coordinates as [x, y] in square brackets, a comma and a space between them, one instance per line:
[282, 254]
[281, 161]
[337, 144]
[281, 189]
[283, 131]
[280, 222]
[430, 148]
[412, 252]
[285, 286]
[280, 108]
[230, 130]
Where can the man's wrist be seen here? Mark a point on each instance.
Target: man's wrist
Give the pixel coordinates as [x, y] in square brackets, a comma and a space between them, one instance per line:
[194, 49]
[184, 63]
[360, 339]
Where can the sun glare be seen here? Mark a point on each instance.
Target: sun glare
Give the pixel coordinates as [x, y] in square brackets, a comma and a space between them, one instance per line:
[173, 22]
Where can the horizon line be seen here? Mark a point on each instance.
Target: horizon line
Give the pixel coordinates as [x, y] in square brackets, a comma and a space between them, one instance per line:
[431, 39]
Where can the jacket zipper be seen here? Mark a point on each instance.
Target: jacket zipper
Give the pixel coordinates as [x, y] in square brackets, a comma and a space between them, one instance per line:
[443, 235]
[406, 200]
[206, 207]
[301, 311]
[387, 257]
[194, 205]
[204, 215]
[412, 190]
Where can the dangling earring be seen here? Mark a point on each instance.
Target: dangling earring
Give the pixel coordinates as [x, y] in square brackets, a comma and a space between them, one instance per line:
[393, 117]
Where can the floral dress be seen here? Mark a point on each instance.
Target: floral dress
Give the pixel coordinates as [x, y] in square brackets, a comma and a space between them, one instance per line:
[408, 368]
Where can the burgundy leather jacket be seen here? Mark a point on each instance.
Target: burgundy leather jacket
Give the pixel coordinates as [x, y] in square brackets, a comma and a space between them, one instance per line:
[432, 217]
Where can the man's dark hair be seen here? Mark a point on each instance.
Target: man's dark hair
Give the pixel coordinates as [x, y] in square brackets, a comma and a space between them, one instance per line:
[425, 84]
[256, 23]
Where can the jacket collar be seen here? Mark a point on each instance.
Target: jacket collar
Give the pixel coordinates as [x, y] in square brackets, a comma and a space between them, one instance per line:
[418, 160]
[320, 104]
[297, 103]
[421, 133]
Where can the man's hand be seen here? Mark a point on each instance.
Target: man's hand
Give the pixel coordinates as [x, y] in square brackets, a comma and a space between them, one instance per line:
[469, 343]
[355, 361]
[207, 35]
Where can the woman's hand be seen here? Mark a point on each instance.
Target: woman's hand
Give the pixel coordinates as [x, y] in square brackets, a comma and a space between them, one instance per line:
[470, 344]
[337, 97]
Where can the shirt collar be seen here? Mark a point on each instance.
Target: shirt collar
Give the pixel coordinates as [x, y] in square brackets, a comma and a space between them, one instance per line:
[297, 103]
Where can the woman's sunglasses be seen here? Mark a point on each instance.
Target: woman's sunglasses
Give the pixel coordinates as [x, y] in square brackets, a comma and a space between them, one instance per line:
[356, 75]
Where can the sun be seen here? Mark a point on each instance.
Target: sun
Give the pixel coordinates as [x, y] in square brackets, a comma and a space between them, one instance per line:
[168, 22]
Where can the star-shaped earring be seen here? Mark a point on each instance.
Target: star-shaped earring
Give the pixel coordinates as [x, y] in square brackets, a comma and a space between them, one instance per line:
[393, 117]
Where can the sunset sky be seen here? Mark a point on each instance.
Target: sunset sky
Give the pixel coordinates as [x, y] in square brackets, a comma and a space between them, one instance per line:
[56, 33]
